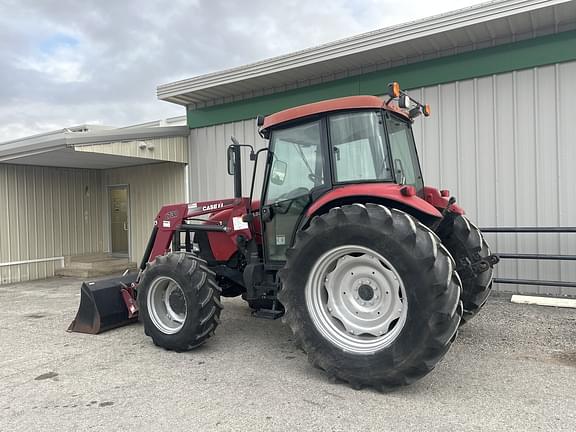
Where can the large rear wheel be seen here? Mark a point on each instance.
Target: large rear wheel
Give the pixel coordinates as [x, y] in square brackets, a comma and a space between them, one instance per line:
[474, 263]
[371, 295]
[179, 301]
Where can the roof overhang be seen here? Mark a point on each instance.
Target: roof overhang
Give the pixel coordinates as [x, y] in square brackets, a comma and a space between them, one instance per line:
[67, 157]
[59, 148]
[481, 26]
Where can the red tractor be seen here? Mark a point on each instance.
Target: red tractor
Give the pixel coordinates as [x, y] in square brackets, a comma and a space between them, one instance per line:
[372, 270]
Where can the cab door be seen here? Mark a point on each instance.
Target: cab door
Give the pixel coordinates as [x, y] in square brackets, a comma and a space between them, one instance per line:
[296, 171]
[403, 150]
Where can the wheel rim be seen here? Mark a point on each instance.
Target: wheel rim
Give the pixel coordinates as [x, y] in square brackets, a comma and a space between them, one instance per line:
[356, 299]
[167, 305]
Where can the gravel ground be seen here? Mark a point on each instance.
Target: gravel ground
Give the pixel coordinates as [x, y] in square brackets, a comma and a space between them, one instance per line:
[512, 368]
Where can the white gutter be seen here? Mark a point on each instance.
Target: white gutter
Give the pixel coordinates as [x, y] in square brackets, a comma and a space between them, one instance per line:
[13, 263]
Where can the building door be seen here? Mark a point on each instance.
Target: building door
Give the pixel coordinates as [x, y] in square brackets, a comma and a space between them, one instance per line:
[119, 220]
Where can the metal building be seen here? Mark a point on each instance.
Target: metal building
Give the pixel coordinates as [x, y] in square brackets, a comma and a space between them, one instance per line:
[501, 80]
[500, 77]
[84, 191]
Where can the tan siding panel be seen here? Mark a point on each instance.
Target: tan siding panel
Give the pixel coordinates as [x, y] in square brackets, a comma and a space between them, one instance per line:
[46, 213]
[150, 187]
[173, 149]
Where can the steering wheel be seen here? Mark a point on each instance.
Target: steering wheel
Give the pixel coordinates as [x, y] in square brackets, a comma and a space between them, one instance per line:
[295, 193]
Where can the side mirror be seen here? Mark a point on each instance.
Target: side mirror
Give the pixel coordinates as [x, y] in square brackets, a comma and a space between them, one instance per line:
[278, 174]
[232, 151]
[404, 102]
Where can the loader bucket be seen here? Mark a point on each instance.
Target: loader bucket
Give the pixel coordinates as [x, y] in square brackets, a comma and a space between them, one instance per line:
[102, 305]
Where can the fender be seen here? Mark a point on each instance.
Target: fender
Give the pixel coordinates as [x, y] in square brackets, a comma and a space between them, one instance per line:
[390, 191]
[434, 197]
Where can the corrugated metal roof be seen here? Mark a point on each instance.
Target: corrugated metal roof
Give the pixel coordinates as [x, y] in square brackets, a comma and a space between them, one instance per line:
[487, 24]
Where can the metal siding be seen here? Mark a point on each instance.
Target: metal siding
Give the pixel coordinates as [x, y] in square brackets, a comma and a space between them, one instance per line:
[566, 137]
[208, 172]
[49, 214]
[150, 187]
[173, 149]
[502, 144]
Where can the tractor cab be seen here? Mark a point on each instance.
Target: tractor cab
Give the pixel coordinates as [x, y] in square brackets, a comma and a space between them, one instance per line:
[352, 144]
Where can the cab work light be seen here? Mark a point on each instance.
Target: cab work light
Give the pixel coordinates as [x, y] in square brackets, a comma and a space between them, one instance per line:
[406, 102]
[394, 90]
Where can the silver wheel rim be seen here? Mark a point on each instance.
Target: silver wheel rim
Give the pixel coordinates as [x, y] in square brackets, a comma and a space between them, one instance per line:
[356, 299]
[166, 304]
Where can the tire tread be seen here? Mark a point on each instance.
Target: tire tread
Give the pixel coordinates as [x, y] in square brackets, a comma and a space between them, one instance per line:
[201, 286]
[442, 326]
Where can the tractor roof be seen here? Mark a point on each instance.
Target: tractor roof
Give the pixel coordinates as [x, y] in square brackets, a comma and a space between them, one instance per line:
[340, 104]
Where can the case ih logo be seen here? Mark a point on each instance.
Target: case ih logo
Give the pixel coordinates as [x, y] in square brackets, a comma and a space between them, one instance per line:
[171, 214]
[213, 206]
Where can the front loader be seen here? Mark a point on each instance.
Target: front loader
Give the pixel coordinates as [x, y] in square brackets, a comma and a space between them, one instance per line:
[372, 270]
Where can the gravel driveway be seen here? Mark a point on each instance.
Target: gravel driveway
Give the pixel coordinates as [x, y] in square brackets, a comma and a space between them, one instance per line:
[512, 368]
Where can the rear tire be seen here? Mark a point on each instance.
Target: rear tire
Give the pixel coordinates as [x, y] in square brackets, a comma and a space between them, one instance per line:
[394, 260]
[179, 301]
[466, 244]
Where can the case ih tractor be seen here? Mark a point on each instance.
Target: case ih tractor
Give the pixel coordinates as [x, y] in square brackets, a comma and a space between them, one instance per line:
[372, 270]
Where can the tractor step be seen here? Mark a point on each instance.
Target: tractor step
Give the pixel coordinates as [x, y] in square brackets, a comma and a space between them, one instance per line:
[270, 314]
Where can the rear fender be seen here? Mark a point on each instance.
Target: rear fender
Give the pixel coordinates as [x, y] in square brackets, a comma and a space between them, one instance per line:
[376, 192]
[434, 197]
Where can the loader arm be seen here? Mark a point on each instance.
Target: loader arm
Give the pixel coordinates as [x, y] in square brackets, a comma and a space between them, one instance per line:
[111, 302]
[186, 218]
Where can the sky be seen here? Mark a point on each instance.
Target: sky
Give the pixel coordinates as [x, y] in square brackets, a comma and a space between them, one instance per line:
[70, 62]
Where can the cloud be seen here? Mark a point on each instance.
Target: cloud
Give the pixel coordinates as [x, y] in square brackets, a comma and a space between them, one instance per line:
[60, 64]
[66, 62]
[56, 42]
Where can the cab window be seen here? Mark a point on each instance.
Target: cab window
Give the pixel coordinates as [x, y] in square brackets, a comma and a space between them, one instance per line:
[359, 147]
[297, 165]
[403, 150]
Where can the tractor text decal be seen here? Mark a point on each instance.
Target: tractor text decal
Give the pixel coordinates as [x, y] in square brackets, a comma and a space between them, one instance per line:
[215, 206]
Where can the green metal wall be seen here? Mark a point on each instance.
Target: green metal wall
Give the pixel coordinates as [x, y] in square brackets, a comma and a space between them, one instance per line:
[521, 55]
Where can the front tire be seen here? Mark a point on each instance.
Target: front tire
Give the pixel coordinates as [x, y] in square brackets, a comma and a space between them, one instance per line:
[371, 295]
[179, 301]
